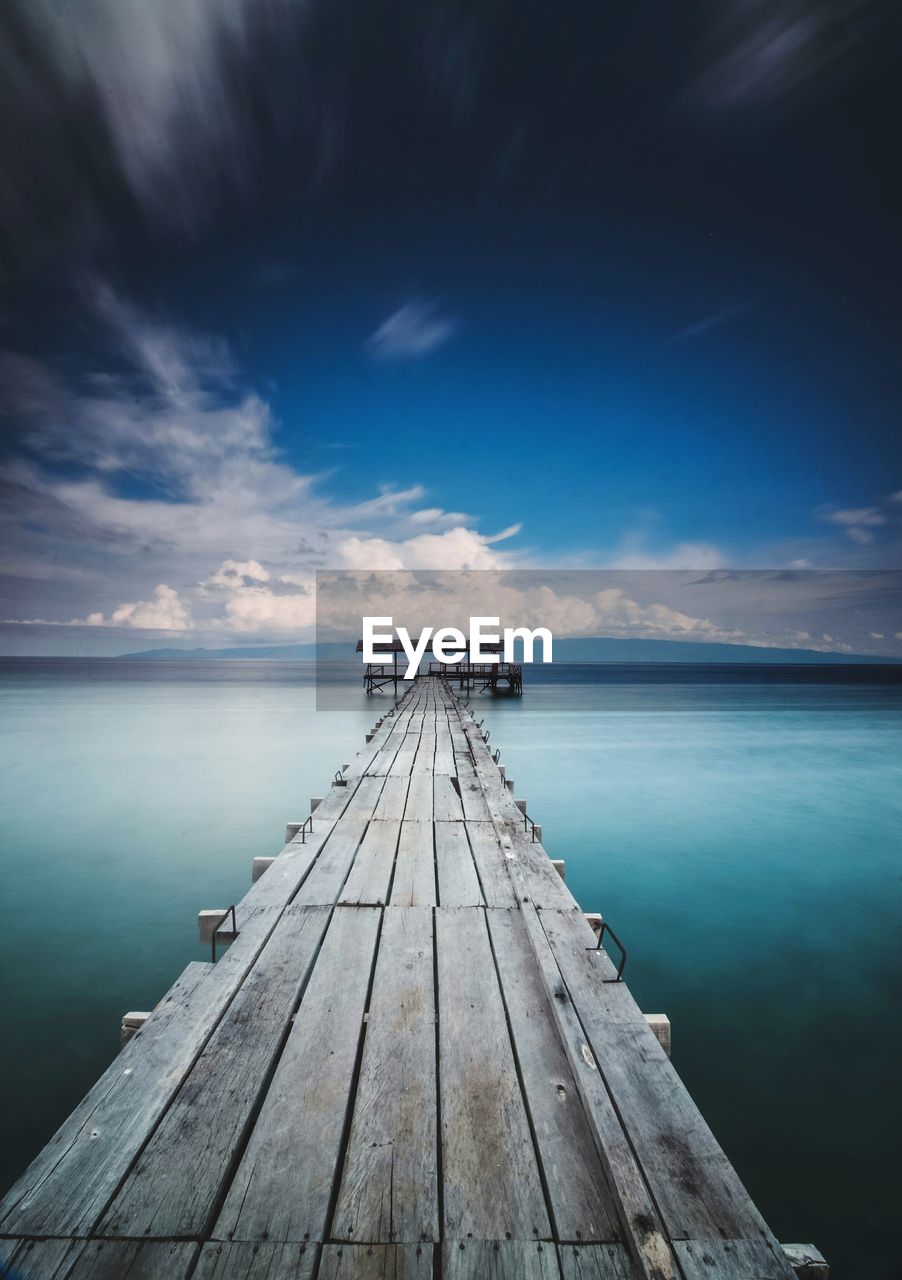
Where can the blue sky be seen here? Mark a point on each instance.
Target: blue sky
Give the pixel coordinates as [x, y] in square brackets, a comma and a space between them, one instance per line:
[305, 295]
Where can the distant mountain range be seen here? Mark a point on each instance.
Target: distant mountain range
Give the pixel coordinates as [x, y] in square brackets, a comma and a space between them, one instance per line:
[589, 649]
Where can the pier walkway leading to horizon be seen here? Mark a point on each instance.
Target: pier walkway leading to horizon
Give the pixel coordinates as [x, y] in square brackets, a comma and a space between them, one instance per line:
[411, 1062]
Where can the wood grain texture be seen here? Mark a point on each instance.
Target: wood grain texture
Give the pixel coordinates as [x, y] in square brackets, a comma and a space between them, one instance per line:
[458, 883]
[732, 1260]
[392, 800]
[370, 875]
[499, 1260]
[581, 1203]
[492, 1187]
[96, 1259]
[446, 799]
[282, 1187]
[241, 1260]
[389, 1186]
[376, 1262]
[491, 865]
[175, 1185]
[696, 1188]
[639, 1218]
[595, 1262]
[414, 882]
[327, 877]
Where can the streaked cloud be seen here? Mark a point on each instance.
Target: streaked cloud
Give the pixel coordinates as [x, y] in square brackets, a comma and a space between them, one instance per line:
[411, 332]
[707, 323]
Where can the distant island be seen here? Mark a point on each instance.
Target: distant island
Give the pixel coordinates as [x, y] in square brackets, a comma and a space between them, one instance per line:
[588, 649]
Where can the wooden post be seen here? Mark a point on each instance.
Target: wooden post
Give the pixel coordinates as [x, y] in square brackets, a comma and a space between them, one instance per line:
[208, 923]
[660, 1026]
[807, 1262]
[131, 1022]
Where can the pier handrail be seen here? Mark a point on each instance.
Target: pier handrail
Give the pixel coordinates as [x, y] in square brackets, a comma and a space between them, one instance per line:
[229, 910]
[606, 928]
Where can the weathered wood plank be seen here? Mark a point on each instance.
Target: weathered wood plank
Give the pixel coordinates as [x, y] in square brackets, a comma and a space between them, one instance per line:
[534, 877]
[175, 1185]
[638, 1214]
[425, 757]
[68, 1185]
[491, 864]
[134, 1260]
[732, 1260]
[389, 1188]
[595, 1262]
[96, 1259]
[446, 800]
[365, 798]
[414, 882]
[471, 794]
[419, 799]
[458, 883]
[376, 1262]
[581, 1203]
[370, 876]
[242, 1260]
[392, 801]
[39, 1259]
[402, 765]
[696, 1188]
[499, 1260]
[289, 870]
[492, 1187]
[326, 879]
[283, 1184]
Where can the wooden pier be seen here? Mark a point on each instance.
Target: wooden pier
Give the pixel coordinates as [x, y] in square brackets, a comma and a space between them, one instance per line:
[498, 677]
[411, 1062]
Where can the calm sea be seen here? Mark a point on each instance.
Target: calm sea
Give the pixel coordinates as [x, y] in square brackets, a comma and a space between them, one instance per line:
[743, 836]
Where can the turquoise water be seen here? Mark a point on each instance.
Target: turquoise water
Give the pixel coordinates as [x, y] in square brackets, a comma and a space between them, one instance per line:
[743, 839]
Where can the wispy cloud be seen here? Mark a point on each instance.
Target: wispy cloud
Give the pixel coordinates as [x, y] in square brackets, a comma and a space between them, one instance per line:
[707, 323]
[161, 497]
[411, 332]
[858, 523]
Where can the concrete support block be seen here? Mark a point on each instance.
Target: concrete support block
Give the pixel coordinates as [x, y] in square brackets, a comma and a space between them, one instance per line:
[521, 805]
[509, 783]
[660, 1025]
[291, 831]
[208, 923]
[594, 919]
[369, 737]
[807, 1262]
[315, 802]
[560, 867]
[258, 866]
[131, 1022]
[537, 831]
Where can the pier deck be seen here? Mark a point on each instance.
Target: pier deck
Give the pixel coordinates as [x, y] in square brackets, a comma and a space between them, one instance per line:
[411, 1062]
